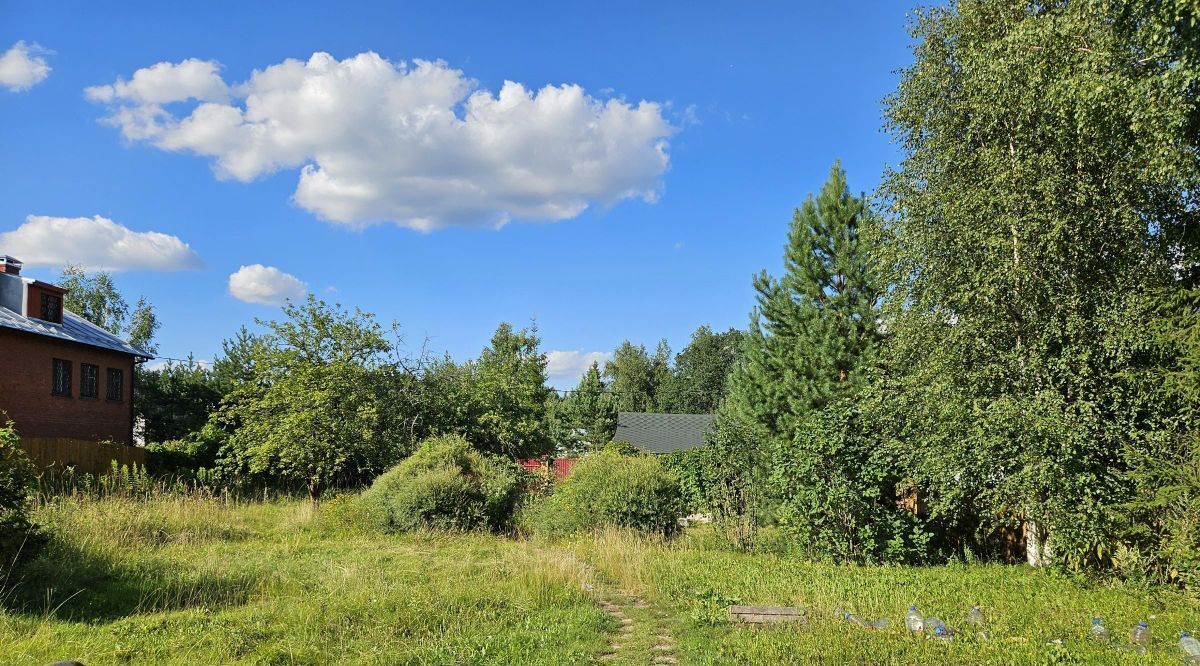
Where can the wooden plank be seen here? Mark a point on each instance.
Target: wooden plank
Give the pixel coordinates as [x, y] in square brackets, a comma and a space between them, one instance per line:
[766, 614]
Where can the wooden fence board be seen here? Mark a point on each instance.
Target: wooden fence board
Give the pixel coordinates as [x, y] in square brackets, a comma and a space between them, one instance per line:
[85, 456]
[766, 614]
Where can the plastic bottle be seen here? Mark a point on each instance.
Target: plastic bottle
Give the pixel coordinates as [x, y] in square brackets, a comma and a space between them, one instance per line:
[942, 634]
[975, 616]
[913, 620]
[1140, 635]
[1190, 647]
[863, 622]
[1099, 632]
[856, 620]
[936, 628]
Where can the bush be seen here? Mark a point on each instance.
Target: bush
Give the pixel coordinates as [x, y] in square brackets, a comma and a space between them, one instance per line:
[19, 538]
[836, 487]
[446, 484]
[690, 466]
[608, 488]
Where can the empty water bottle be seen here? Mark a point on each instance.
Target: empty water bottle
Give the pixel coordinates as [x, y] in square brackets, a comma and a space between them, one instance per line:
[1099, 632]
[1140, 635]
[936, 628]
[975, 616]
[856, 620]
[1190, 647]
[864, 622]
[913, 620]
[942, 634]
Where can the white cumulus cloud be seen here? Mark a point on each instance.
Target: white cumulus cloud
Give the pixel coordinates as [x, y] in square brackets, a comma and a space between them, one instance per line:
[417, 144]
[23, 66]
[564, 368]
[96, 243]
[265, 285]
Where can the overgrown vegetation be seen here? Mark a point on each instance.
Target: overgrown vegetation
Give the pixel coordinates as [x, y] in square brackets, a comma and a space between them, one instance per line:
[999, 346]
[179, 578]
[448, 485]
[197, 579]
[20, 539]
[611, 489]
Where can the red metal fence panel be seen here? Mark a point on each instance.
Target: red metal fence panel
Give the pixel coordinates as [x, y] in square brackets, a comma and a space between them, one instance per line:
[561, 467]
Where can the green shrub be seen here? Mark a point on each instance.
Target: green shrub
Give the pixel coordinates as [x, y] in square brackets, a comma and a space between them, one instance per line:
[19, 538]
[836, 488]
[608, 488]
[690, 466]
[621, 448]
[446, 484]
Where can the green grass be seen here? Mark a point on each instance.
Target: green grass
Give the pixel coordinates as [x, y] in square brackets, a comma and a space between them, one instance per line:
[195, 580]
[1026, 609]
[198, 581]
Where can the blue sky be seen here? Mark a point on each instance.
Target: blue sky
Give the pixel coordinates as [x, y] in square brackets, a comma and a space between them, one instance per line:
[749, 107]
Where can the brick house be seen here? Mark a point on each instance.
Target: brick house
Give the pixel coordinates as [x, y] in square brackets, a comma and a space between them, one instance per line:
[66, 383]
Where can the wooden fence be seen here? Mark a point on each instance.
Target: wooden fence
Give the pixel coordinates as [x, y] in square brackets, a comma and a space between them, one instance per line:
[85, 456]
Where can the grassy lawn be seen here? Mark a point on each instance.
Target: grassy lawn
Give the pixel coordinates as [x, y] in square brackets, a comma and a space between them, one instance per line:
[191, 581]
[200, 582]
[1026, 609]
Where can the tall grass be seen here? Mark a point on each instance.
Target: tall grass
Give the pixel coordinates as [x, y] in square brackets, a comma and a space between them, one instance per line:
[1028, 610]
[183, 578]
[135, 482]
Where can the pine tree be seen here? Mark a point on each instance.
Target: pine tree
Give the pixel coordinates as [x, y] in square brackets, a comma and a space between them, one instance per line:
[589, 417]
[815, 327]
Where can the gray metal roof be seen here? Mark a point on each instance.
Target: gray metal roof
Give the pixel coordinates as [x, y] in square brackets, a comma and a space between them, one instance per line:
[662, 433]
[73, 329]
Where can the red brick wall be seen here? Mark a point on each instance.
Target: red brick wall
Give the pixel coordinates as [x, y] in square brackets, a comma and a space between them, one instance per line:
[25, 383]
[34, 304]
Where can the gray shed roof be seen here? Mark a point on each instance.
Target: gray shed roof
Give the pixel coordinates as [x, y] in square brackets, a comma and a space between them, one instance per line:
[662, 433]
[73, 329]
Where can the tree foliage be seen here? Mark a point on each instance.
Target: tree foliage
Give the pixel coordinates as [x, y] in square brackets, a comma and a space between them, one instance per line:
[317, 409]
[95, 297]
[815, 328]
[697, 382]
[587, 418]
[1048, 189]
[175, 400]
[635, 377]
[497, 402]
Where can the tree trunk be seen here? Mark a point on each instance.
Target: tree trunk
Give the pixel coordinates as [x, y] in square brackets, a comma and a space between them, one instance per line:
[1038, 547]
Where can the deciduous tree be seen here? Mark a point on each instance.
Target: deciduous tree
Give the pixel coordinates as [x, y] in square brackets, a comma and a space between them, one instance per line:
[1048, 190]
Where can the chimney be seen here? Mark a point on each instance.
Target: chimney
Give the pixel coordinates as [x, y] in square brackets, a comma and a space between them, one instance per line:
[9, 265]
[12, 285]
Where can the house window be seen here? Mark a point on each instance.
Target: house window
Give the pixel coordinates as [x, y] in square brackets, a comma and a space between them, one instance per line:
[61, 379]
[116, 381]
[51, 308]
[89, 380]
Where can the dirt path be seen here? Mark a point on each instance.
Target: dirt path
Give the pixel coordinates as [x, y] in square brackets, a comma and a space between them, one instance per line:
[643, 636]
